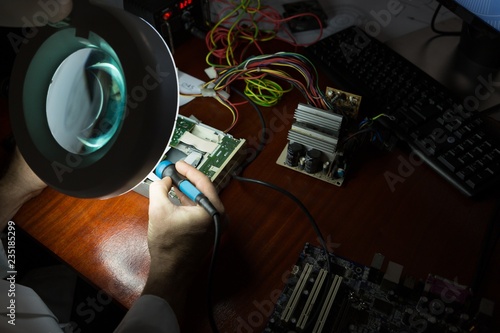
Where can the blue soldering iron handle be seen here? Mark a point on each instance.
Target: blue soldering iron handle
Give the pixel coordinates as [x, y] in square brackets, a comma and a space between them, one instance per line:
[167, 169]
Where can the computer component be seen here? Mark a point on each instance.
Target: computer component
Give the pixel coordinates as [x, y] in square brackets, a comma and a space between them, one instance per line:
[312, 146]
[175, 20]
[450, 137]
[344, 102]
[213, 152]
[357, 298]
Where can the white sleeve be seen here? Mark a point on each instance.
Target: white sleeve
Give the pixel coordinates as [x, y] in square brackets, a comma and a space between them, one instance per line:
[149, 313]
[22, 310]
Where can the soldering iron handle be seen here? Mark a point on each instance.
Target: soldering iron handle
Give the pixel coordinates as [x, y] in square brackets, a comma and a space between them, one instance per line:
[167, 169]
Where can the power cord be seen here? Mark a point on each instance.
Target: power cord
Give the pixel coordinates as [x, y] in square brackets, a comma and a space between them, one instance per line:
[433, 25]
[316, 230]
[211, 269]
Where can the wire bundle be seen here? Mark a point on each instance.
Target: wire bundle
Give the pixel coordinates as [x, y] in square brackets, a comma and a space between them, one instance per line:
[260, 73]
[247, 23]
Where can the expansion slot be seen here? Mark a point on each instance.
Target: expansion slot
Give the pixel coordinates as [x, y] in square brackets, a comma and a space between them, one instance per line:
[292, 302]
[327, 306]
[311, 300]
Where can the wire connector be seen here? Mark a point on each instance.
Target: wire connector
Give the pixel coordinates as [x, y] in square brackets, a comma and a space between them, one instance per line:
[207, 92]
[224, 94]
[211, 72]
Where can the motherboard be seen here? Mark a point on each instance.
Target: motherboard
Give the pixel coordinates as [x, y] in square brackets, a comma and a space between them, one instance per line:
[325, 293]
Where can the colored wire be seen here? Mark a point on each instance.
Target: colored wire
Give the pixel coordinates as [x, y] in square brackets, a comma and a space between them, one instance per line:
[263, 133]
[260, 72]
[240, 25]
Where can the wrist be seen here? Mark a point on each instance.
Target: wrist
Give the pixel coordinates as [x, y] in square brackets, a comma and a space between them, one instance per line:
[169, 280]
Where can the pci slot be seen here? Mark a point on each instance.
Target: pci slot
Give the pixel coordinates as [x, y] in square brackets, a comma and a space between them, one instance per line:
[327, 306]
[292, 302]
[311, 300]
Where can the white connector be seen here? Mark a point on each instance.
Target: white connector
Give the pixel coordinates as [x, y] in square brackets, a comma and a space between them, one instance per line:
[207, 92]
[224, 94]
[211, 72]
[188, 85]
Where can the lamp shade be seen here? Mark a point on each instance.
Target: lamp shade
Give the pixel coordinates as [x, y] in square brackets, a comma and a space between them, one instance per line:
[94, 101]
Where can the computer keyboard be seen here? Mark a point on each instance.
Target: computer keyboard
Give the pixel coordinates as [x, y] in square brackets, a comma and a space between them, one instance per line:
[452, 140]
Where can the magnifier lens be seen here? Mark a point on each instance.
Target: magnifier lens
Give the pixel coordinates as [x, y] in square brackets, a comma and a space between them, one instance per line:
[86, 101]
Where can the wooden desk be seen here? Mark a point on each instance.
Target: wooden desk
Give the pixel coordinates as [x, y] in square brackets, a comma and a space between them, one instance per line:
[424, 224]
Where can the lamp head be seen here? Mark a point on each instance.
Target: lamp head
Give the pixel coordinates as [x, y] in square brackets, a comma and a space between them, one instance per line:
[94, 101]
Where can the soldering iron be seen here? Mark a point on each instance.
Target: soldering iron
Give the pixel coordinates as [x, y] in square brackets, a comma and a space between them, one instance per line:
[167, 169]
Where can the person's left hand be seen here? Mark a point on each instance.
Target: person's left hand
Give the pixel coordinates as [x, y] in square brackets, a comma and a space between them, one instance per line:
[18, 185]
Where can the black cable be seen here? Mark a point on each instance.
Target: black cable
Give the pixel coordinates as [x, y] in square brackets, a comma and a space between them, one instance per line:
[211, 268]
[316, 230]
[262, 143]
[433, 25]
[490, 241]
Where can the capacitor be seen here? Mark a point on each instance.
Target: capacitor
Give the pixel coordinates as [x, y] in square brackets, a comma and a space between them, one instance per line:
[293, 153]
[313, 161]
[326, 167]
[340, 173]
[302, 163]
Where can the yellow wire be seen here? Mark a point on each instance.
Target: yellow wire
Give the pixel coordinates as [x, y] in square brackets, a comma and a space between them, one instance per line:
[228, 107]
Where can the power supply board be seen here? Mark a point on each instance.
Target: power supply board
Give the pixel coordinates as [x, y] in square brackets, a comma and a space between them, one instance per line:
[314, 145]
[354, 298]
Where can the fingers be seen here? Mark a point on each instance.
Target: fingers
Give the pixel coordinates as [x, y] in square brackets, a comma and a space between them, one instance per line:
[158, 195]
[202, 182]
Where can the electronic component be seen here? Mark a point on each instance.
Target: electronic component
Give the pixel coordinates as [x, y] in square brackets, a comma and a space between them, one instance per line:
[312, 147]
[167, 169]
[213, 152]
[355, 298]
[442, 130]
[175, 20]
[344, 102]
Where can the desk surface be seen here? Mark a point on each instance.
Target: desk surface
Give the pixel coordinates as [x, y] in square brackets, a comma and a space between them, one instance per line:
[423, 224]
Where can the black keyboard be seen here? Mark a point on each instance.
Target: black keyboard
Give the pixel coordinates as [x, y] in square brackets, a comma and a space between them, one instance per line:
[452, 140]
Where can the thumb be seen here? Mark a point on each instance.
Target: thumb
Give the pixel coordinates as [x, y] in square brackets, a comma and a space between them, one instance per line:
[158, 194]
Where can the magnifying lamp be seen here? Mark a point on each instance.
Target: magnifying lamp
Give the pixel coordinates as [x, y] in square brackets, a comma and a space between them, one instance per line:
[94, 101]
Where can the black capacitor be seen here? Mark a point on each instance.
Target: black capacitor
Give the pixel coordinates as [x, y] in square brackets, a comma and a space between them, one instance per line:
[294, 151]
[313, 161]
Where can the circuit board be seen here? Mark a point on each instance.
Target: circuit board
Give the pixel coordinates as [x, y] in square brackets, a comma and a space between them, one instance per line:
[213, 152]
[313, 143]
[359, 299]
[344, 102]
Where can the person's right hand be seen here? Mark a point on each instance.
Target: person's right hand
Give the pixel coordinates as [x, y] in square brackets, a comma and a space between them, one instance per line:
[179, 237]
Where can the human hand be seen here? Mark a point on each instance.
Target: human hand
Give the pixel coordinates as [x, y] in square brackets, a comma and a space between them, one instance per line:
[28, 13]
[18, 185]
[179, 237]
